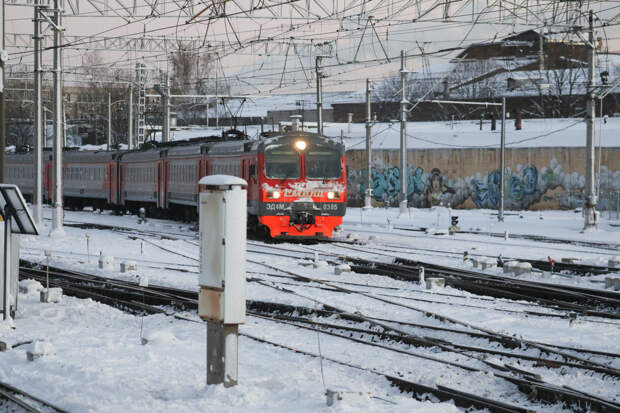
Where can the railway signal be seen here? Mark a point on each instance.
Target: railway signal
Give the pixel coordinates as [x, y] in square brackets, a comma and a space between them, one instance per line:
[454, 221]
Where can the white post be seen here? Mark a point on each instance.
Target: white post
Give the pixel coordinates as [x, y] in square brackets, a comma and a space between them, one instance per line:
[319, 96]
[130, 119]
[6, 305]
[165, 131]
[109, 121]
[221, 300]
[57, 201]
[502, 167]
[37, 193]
[590, 194]
[217, 109]
[403, 135]
[368, 195]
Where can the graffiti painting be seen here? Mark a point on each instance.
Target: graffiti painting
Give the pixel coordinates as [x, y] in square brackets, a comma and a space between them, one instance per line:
[525, 186]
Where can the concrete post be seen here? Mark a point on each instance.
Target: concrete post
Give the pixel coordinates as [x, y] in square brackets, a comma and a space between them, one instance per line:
[57, 200]
[368, 195]
[502, 167]
[2, 97]
[165, 131]
[37, 194]
[130, 119]
[403, 135]
[109, 140]
[6, 304]
[319, 96]
[590, 194]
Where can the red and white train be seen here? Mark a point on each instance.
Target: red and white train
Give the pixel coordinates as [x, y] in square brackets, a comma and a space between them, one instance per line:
[296, 181]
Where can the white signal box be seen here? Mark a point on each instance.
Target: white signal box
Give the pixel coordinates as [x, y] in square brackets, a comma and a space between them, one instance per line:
[222, 249]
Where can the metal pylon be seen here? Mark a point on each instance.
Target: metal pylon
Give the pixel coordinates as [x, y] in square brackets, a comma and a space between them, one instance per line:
[141, 102]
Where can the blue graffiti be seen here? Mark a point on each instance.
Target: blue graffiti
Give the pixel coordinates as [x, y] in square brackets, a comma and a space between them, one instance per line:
[486, 195]
[385, 185]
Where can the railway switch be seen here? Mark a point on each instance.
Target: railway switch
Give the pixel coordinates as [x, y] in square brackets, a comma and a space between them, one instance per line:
[221, 300]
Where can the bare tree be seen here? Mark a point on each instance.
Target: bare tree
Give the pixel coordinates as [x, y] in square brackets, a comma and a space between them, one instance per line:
[190, 71]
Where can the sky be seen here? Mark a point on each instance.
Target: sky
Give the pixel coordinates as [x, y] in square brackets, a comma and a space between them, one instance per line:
[272, 50]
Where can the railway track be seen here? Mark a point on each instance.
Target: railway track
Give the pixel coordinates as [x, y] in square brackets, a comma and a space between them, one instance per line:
[131, 297]
[542, 265]
[541, 238]
[584, 301]
[13, 399]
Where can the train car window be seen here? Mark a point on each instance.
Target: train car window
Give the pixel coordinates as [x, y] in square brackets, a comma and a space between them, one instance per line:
[322, 163]
[252, 170]
[282, 163]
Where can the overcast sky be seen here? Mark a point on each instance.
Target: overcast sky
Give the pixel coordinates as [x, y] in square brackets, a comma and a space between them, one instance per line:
[349, 33]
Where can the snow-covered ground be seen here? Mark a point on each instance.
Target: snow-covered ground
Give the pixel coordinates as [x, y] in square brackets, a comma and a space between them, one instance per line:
[568, 132]
[99, 363]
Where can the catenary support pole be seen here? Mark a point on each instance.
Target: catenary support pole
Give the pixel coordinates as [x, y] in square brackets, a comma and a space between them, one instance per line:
[6, 307]
[590, 194]
[109, 121]
[403, 135]
[57, 201]
[319, 96]
[502, 166]
[368, 195]
[165, 132]
[130, 119]
[217, 103]
[2, 97]
[37, 193]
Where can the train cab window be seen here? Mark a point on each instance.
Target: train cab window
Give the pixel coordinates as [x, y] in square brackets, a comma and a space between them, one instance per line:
[282, 163]
[322, 163]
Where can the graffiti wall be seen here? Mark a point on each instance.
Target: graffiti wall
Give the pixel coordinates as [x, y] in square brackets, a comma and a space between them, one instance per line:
[537, 178]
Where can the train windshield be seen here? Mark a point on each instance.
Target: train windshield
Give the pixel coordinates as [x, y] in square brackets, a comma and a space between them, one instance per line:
[282, 163]
[322, 163]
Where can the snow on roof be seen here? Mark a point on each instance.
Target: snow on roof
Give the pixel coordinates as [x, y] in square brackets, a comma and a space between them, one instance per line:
[222, 180]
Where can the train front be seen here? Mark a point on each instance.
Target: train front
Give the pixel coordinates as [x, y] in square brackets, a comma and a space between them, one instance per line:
[303, 188]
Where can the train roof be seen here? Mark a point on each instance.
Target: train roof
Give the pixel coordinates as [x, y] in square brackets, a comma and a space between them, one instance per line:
[142, 155]
[184, 150]
[290, 137]
[21, 156]
[89, 156]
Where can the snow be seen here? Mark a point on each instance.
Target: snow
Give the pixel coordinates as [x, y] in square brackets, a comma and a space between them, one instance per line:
[222, 180]
[104, 360]
[536, 133]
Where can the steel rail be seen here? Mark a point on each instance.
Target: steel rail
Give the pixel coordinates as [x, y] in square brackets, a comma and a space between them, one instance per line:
[547, 392]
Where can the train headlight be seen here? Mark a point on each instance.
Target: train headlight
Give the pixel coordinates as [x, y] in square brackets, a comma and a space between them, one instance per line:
[273, 194]
[333, 195]
[301, 145]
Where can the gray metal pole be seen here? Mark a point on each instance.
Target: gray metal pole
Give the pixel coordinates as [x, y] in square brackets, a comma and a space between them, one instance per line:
[207, 112]
[319, 96]
[217, 102]
[403, 135]
[368, 196]
[6, 306]
[165, 131]
[37, 194]
[130, 119]
[502, 166]
[57, 201]
[109, 121]
[2, 82]
[590, 220]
